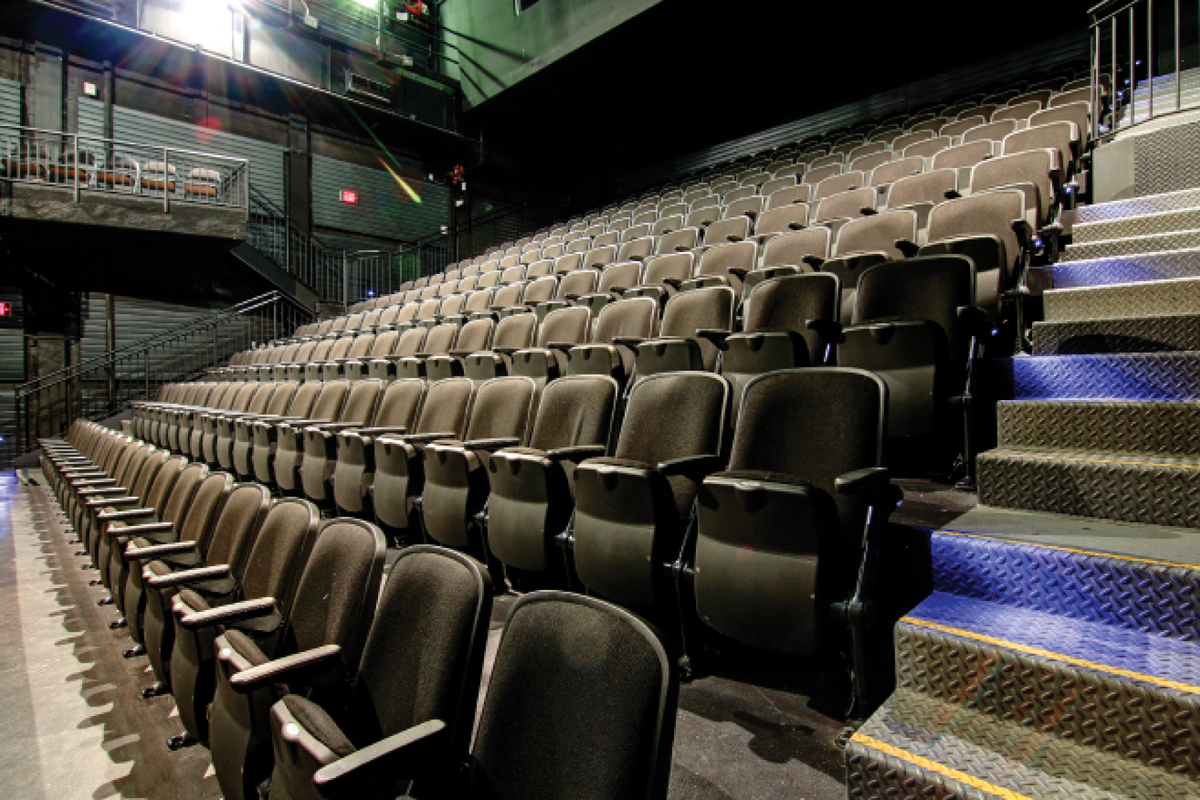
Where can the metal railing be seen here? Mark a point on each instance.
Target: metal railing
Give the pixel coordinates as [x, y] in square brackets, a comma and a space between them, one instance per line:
[79, 163]
[1144, 59]
[102, 386]
[336, 275]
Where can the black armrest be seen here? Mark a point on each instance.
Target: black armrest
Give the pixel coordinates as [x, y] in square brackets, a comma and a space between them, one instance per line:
[461, 353]
[103, 502]
[908, 248]
[1023, 230]
[297, 668]
[492, 445]
[186, 576]
[575, 453]
[867, 211]
[861, 482]
[951, 194]
[138, 530]
[975, 319]
[94, 482]
[813, 261]
[411, 753]
[129, 513]
[674, 283]
[628, 341]
[829, 330]
[715, 335]
[398, 430]
[691, 465]
[561, 346]
[234, 612]
[421, 438]
[159, 551]
[333, 427]
[738, 272]
[505, 351]
[102, 496]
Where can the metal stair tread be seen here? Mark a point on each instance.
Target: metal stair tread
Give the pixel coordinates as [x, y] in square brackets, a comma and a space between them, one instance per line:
[1155, 221]
[1151, 658]
[1123, 458]
[925, 747]
[1166, 427]
[1155, 333]
[1150, 243]
[1122, 591]
[1139, 206]
[1120, 376]
[1132, 268]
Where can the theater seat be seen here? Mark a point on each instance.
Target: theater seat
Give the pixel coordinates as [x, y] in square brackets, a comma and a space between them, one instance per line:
[418, 679]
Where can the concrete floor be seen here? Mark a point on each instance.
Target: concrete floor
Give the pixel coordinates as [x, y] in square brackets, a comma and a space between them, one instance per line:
[75, 727]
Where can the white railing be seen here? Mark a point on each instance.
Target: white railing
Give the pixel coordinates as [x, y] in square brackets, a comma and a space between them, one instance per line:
[80, 163]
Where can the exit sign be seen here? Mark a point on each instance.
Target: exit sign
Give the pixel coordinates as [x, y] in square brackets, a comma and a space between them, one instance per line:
[350, 197]
[6, 309]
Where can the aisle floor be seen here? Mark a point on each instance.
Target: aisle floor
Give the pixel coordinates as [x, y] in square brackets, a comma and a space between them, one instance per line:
[75, 727]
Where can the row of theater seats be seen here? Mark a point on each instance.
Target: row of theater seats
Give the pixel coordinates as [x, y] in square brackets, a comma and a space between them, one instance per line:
[305, 670]
[1026, 138]
[594, 478]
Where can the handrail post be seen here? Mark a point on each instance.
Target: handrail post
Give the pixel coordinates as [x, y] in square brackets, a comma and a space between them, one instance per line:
[75, 163]
[146, 369]
[166, 183]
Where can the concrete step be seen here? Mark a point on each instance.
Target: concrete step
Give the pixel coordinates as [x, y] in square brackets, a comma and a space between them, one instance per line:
[1129, 335]
[1148, 489]
[1140, 376]
[1135, 268]
[1133, 426]
[1139, 206]
[1187, 219]
[1123, 301]
[1154, 243]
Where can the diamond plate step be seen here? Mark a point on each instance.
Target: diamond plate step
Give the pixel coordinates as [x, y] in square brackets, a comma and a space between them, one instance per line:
[1121, 300]
[1127, 269]
[1148, 489]
[1130, 335]
[1139, 206]
[1187, 219]
[1133, 594]
[1155, 243]
[1165, 428]
[922, 746]
[1142, 376]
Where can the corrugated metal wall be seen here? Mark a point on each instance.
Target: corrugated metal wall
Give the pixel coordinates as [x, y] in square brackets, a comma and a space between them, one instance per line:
[135, 320]
[384, 208]
[91, 118]
[10, 102]
[266, 158]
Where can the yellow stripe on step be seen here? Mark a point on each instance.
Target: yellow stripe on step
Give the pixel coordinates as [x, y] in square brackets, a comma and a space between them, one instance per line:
[1034, 651]
[1119, 556]
[941, 769]
[1045, 457]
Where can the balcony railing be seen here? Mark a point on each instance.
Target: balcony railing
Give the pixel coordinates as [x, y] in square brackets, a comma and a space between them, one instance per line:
[78, 163]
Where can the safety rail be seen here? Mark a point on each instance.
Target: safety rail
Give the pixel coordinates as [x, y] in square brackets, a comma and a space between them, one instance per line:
[1138, 52]
[79, 163]
[336, 275]
[102, 386]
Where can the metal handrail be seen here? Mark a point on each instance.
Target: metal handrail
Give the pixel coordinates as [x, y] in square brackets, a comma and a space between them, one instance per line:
[104, 385]
[164, 337]
[1133, 48]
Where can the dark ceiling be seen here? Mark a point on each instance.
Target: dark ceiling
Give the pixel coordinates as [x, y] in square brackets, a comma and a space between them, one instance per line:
[688, 74]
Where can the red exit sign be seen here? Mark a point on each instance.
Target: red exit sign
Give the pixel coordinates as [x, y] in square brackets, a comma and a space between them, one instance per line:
[6, 309]
[350, 197]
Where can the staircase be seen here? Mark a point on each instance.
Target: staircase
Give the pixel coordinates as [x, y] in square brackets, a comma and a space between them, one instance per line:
[1051, 670]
